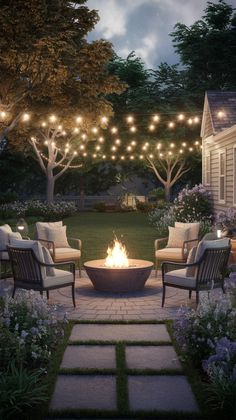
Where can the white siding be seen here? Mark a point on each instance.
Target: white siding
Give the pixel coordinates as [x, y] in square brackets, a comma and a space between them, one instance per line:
[223, 141]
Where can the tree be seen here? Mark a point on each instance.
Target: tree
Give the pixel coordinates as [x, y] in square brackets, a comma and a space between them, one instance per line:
[207, 49]
[47, 64]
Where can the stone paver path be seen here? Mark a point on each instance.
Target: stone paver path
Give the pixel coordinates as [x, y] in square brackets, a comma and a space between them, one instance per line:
[139, 347]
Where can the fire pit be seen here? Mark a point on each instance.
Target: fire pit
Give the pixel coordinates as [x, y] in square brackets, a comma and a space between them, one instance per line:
[117, 273]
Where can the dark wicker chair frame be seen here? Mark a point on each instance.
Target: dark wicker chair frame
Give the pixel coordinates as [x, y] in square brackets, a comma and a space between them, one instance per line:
[26, 269]
[209, 271]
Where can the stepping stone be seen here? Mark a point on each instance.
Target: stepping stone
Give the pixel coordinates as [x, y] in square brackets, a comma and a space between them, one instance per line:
[132, 332]
[96, 392]
[86, 356]
[164, 393]
[152, 357]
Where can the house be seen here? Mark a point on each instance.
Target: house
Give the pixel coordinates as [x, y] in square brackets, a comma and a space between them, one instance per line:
[218, 132]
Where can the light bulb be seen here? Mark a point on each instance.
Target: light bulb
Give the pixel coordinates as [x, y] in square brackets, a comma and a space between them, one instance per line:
[79, 119]
[25, 117]
[130, 119]
[156, 118]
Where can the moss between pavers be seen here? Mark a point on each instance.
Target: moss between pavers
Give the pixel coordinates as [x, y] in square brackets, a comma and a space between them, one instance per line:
[122, 375]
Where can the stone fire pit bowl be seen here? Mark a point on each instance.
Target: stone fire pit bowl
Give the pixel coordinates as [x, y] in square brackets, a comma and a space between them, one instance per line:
[128, 279]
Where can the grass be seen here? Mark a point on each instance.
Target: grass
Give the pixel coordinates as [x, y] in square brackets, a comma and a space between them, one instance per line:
[96, 230]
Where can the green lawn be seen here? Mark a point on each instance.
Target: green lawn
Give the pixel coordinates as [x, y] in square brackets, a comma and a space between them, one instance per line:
[96, 232]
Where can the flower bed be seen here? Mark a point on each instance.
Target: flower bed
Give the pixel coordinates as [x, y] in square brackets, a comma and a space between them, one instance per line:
[207, 337]
[29, 333]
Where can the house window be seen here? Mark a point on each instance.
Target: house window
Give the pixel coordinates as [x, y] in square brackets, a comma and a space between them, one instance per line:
[234, 175]
[222, 192]
[208, 168]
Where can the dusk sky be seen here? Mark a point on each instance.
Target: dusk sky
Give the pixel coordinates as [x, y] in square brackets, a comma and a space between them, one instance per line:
[144, 25]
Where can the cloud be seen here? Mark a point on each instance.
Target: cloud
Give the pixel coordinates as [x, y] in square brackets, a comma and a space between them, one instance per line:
[144, 26]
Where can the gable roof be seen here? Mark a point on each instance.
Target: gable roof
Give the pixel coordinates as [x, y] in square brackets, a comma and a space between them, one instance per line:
[216, 101]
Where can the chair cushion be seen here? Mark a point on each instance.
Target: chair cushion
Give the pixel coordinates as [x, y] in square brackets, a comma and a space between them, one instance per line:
[4, 255]
[61, 277]
[203, 245]
[179, 278]
[4, 238]
[14, 235]
[35, 246]
[190, 271]
[193, 231]
[50, 271]
[170, 254]
[41, 228]
[66, 254]
[177, 236]
[58, 236]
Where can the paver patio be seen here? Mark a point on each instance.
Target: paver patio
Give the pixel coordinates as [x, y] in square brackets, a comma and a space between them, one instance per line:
[95, 305]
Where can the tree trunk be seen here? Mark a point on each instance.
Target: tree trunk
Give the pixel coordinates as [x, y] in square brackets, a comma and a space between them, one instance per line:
[167, 192]
[50, 188]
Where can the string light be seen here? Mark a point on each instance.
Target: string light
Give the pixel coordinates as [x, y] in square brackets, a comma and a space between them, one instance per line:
[141, 157]
[129, 148]
[113, 157]
[44, 124]
[190, 121]
[184, 144]
[152, 127]
[133, 129]
[103, 156]
[25, 117]
[101, 140]
[84, 136]
[52, 118]
[94, 130]
[114, 130]
[122, 158]
[171, 125]
[76, 130]
[3, 114]
[117, 141]
[156, 118]
[130, 119]
[133, 143]
[98, 148]
[79, 119]
[114, 148]
[82, 147]
[196, 120]
[220, 114]
[181, 117]
[131, 157]
[172, 145]
[104, 120]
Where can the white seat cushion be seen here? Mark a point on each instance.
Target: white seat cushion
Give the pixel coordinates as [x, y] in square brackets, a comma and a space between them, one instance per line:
[170, 254]
[66, 254]
[179, 278]
[203, 245]
[60, 277]
[4, 255]
[41, 228]
[4, 236]
[35, 246]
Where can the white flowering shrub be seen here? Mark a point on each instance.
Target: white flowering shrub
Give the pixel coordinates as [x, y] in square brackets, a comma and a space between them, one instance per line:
[29, 330]
[193, 205]
[38, 208]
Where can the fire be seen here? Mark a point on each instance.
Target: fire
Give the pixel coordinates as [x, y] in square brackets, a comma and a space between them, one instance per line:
[117, 256]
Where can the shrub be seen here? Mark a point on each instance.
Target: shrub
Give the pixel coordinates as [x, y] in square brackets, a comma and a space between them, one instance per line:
[157, 194]
[144, 206]
[226, 218]
[48, 212]
[8, 197]
[193, 205]
[31, 330]
[101, 206]
[19, 391]
[161, 218]
[197, 332]
[221, 370]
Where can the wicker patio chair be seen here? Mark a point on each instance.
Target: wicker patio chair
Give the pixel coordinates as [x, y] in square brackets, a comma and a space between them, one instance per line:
[208, 272]
[30, 273]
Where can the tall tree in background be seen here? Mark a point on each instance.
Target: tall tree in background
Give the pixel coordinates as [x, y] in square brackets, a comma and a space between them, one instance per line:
[46, 62]
[207, 49]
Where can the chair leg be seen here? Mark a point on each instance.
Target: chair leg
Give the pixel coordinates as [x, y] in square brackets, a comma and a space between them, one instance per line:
[163, 295]
[190, 294]
[156, 266]
[41, 292]
[73, 295]
[47, 294]
[80, 268]
[197, 297]
[13, 293]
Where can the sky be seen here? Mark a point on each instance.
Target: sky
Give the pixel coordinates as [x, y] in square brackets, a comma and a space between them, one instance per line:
[143, 26]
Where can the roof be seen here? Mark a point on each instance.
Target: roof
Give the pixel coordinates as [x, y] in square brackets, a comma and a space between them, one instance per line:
[215, 102]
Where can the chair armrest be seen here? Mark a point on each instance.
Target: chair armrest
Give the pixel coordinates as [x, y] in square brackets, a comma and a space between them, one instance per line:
[71, 264]
[48, 244]
[77, 242]
[159, 241]
[27, 238]
[189, 241]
